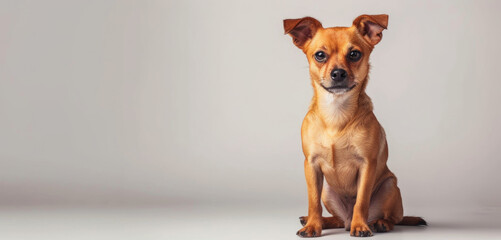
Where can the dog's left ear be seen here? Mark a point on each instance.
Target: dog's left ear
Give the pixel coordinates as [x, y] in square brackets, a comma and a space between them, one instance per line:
[371, 27]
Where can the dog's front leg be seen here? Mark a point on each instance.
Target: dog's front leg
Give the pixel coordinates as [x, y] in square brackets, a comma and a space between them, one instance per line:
[314, 181]
[359, 227]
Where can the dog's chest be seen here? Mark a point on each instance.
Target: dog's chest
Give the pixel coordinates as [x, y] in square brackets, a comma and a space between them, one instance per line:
[342, 169]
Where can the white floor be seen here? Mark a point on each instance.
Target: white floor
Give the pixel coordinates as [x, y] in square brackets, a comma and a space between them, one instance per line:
[219, 222]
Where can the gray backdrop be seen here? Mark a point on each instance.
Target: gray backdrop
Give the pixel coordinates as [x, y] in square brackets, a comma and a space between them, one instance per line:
[159, 102]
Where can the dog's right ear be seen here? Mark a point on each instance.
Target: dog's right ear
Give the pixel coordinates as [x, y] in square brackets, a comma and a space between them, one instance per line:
[301, 30]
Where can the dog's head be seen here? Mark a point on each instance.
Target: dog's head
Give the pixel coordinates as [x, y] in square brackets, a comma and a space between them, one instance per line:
[338, 56]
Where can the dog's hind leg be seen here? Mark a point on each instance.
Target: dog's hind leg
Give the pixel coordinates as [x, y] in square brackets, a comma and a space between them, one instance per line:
[386, 207]
[341, 207]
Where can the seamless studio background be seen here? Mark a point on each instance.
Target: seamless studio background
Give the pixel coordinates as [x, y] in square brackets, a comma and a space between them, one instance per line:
[126, 119]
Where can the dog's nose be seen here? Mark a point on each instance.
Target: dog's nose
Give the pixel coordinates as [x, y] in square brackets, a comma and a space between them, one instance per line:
[338, 75]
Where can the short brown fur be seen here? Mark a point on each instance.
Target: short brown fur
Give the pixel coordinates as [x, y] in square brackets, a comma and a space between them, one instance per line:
[343, 143]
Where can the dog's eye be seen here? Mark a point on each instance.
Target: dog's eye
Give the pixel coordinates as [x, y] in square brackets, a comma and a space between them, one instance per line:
[320, 56]
[355, 55]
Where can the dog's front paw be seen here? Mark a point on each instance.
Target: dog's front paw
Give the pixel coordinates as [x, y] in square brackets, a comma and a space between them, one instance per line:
[310, 231]
[360, 230]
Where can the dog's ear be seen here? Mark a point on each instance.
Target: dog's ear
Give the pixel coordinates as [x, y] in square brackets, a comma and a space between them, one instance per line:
[301, 30]
[371, 27]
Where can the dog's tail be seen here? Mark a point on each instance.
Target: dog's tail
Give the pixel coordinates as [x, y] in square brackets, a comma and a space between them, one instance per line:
[412, 221]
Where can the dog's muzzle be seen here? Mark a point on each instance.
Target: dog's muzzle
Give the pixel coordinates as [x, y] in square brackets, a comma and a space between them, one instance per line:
[339, 81]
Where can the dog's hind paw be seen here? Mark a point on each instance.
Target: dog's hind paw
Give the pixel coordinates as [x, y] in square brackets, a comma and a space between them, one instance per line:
[303, 220]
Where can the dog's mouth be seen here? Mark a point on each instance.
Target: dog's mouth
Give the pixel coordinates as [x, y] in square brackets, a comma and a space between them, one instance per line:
[339, 89]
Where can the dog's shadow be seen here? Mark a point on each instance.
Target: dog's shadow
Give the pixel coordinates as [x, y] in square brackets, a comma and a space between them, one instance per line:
[432, 226]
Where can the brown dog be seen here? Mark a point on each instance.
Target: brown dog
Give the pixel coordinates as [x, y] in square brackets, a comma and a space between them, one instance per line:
[343, 142]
